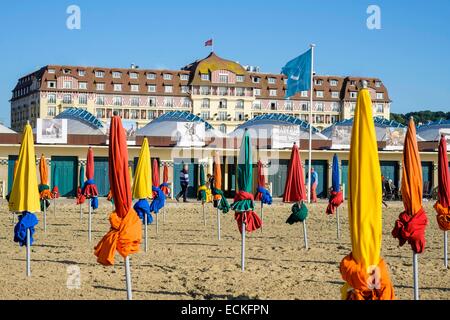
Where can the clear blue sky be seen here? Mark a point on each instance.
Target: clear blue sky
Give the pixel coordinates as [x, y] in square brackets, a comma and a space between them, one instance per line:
[411, 53]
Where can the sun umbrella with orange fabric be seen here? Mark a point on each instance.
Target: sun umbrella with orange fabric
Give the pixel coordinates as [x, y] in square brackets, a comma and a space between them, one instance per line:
[165, 184]
[442, 206]
[44, 189]
[410, 225]
[125, 234]
[219, 198]
[365, 273]
[262, 194]
[295, 191]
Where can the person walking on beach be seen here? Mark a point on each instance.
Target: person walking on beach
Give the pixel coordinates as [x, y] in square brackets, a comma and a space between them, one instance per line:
[184, 183]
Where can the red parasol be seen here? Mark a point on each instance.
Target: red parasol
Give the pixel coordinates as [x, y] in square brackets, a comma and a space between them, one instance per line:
[165, 184]
[295, 190]
[442, 206]
[261, 180]
[155, 175]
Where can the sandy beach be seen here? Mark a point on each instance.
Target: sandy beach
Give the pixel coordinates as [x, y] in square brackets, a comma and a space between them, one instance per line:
[186, 261]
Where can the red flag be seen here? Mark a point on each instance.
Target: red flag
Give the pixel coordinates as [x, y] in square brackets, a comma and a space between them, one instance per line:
[209, 43]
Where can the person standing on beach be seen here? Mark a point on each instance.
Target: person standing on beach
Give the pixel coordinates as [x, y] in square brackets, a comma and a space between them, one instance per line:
[314, 184]
[184, 183]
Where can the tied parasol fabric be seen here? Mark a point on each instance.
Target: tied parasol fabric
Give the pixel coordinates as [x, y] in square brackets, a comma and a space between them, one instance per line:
[14, 176]
[159, 200]
[218, 195]
[55, 189]
[299, 213]
[201, 190]
[80, 197]
[155, 176]
[27, 220]
[165, 184]
[44, 188]
[410, 226]
[142, 208]
[262, 194]
[364, 272]
[142, 184]
[223, 204]
[294, 190]
[442, 206]
[109, 197]
[126, 229]
[251, 219]
[89, 188]
[336, 196]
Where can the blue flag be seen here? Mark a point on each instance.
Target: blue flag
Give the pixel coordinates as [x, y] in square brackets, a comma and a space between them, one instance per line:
[298, 71]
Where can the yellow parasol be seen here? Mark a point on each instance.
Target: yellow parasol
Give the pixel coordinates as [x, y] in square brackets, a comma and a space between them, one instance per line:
[142, 184]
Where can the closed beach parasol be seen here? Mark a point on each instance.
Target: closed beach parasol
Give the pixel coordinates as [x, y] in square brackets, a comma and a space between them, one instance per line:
[442, 206]
[165, 184]
[89, 189]
[80, 197]
[262, 194]
[219, 197]
[55, 190]
[125, 234]
[24, 197]
[201, 191]
[44, 189]
[246, 218]
[295, 191]
[336, 197]
[410, 225]
[142, 188]
[159, 198]
[365, 273]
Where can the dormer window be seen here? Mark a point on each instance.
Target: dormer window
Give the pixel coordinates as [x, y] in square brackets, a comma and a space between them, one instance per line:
[272, 80]
[133, 75]
[378, 84]
[184, 77]
[151, 76]
[81, 73]
[318, 82]
[66, 71]
[51, 71]
[99, 74]
[256, 79]
[333, 83]
[205, 77]
[239, 78]
[167, 76]
[117, 74]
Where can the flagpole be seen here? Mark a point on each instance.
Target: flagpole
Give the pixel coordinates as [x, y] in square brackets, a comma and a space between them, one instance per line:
[310, 120]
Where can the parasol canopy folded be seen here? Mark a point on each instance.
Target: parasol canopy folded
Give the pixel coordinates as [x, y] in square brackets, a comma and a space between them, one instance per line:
[294, 190]
[165, 184]
[336, 197]
[442, 206]
[262, 194]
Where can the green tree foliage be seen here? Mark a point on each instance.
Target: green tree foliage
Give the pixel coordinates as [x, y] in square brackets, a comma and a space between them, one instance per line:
[422, 117]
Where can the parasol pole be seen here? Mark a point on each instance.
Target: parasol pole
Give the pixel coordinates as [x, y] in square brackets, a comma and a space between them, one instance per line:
[416, 276]
[90, 220]
[81, 213]
[45, 217]
[243, 242]
[157, 225]
[128, 278]
[145, 232]
[218, 223]
[445, 250]
[54, 206]
[28, 253]
[204, 214]
[310, 120]
[338, 224]
[305, 235]
[262, 216]
[13, 217]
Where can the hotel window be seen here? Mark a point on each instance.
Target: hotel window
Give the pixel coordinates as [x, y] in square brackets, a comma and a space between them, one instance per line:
[67, 71]
[288, 105]
[333, 83]
[168, 102]
[352, 107]
[380, 95]
[117, 101]
[335, 107]
[117, 75]
[334, 119]
[272, 92]
[378, 84]
[285, 80]
[257, 92]
[81, 73]
[223, 128]
[239, 116]
[134, 114]
[100, 100]
[240, 104]
[223, 78]
[151, 76]
[379, 108]
[152, 102]
[240, 78]
[204, 115]
[134, 87]
[82, 85]
[204, 90]
[184, 89]
[240, 92]
[100, 112]
[353, 95]
[256, 79]
[305, 106]
[51, 84]
[256, 105]
[134, 75]
[99, 74]
[100, 86]
[184, 77]
[319, 106]
[222, 104]
[51, 98]
[167, 76]
[222, 115]
[67, 98]
[82, 99]
[151, 88]
[51, 111]
[168, 89]
[319, 94]
[204, 77]
[272, 80]
[134, 101]
[186, 102]
[352, 82]
[223, 91]
[205, 104]
[335, 94]
[304, 94]
[318, 82]
[117, 87]
[119, 112]
[51, 71]
[151, 115]
[319, 119]
[273, 105]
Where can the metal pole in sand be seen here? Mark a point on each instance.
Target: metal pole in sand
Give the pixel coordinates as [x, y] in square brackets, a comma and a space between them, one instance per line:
[218, 223]
[54, 206]
[45, 216]
[145, 232]
[28, 253]
[157, 225]
[305, 235]
[262, 216]
[338, 224]
[204, 214]
[90, 220]
[128, 278]
[416, 276]
[243, 244]
[81, 213]
[445, 250]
